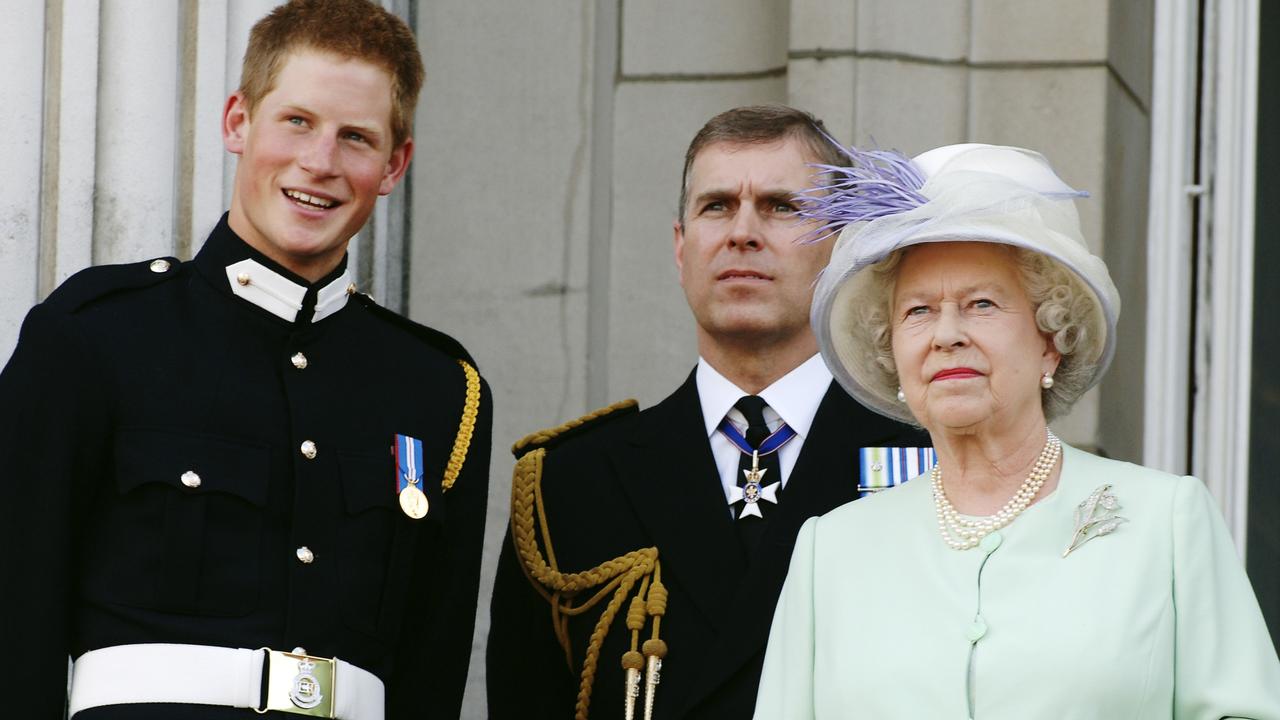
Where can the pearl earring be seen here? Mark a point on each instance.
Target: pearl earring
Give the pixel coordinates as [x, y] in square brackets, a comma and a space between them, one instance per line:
[902, 397]
[1046, 381]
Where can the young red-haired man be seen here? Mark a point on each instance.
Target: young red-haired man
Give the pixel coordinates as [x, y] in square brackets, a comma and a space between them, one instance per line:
[220, 475]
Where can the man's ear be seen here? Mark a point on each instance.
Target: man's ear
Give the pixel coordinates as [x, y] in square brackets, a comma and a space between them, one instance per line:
[235, 123]
[678, 246]
[397, 164]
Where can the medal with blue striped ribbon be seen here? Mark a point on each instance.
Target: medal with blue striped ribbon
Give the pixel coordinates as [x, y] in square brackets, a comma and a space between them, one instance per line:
[881, 468]
[753, 491]
[409, 477]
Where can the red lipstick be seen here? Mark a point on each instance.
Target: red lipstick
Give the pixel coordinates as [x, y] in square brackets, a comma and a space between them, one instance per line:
[957, 373]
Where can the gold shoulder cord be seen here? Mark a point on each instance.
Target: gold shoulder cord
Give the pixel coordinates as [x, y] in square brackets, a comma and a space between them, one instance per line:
[462, 441]
[617, 576]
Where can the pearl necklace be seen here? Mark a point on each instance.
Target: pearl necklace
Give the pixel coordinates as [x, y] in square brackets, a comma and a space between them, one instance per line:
[961, 532]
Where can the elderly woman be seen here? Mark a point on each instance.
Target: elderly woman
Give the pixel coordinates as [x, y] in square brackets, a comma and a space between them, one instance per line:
[1020, 578]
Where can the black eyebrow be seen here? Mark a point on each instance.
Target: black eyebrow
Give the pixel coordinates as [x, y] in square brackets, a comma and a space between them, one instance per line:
[710, 195]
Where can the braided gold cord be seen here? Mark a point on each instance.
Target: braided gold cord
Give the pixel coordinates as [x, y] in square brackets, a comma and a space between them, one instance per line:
[569, 610]
[614, 578]
[542, 436]
[467, 426]
[601, 629]
[542, 514]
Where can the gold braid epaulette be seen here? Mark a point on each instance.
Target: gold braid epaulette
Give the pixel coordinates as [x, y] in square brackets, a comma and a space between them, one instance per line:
[467, 426]
[617, 576]
[542, 437]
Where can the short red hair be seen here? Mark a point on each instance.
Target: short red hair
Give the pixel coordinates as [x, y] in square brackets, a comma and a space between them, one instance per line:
[356, 29]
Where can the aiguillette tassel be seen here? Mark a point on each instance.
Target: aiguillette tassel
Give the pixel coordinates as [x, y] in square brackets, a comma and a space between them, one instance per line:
[632, 661]
[654, 651]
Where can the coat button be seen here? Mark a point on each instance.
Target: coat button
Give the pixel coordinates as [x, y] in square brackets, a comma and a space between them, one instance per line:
[191, 479]
[976, 630]
[308, 449]
[159, 266]
[299, 361]
[305, 556]
[243, 278]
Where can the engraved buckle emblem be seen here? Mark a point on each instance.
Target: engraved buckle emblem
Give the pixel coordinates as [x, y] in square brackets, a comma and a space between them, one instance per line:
[300, 684]
[305, 692]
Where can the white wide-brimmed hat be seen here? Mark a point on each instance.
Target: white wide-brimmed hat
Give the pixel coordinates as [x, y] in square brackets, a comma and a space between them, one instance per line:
[971, 192]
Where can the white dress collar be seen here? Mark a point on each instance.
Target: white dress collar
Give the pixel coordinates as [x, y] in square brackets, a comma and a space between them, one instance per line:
[282, 297]
[794, 397]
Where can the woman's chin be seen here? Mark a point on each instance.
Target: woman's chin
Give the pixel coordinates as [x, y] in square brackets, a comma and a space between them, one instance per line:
[957, 416]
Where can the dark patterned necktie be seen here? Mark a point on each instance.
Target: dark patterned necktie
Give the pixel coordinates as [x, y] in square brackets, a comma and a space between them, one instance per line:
[750, 527]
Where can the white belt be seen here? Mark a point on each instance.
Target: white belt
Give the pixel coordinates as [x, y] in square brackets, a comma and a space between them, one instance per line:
[207, 675]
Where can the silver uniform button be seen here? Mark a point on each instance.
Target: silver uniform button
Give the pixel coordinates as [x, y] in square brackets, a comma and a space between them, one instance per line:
[308, 450]
[191, 479]
[305, 556]
[159, 265]
[299, 361]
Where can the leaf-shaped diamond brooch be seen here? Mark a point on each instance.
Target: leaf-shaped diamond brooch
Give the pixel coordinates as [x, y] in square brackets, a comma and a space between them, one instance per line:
[1095, 517]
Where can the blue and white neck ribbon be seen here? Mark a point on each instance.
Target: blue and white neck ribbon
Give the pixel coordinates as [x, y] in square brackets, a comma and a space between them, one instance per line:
[753, 491]
[881, 468]
[408, 463]
[771, 444]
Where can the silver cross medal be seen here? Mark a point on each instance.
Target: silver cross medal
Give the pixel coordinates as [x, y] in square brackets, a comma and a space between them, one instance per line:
[752, 493]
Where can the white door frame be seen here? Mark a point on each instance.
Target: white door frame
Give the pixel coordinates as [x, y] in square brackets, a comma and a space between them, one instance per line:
[1218, 358]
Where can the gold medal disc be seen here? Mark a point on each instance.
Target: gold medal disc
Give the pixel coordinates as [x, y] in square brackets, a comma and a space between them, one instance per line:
[413, 502]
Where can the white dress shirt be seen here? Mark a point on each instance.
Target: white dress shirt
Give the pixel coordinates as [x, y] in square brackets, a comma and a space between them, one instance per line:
[793, 399]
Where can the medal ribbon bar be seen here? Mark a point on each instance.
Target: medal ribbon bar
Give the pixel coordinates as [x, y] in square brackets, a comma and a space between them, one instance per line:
[884, 467]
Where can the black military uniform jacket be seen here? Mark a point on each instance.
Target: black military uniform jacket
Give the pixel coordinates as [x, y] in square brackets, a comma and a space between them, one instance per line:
[642, 479]
[129, 376]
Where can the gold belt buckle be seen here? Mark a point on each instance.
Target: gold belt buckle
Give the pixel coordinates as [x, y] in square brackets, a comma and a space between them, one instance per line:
[300, 684]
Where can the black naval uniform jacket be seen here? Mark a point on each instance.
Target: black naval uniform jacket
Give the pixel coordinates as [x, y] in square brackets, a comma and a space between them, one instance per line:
[649, 479]
[124, 379]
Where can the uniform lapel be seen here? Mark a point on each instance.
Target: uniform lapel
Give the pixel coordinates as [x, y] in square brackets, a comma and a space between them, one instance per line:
[670, 477]
[823, 478]
[824, 475]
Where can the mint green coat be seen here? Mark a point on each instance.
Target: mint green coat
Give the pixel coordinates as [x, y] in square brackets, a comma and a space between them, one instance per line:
[880, 619]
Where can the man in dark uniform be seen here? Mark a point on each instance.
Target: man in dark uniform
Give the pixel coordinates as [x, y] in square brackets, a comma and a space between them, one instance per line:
[647, 549]
[220, 475]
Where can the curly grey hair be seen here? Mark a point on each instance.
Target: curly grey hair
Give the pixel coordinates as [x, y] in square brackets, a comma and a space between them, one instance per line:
[1064, 309]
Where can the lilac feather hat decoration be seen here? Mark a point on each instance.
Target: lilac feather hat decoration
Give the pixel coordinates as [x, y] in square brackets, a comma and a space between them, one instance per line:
[875, 184]
[884, 202]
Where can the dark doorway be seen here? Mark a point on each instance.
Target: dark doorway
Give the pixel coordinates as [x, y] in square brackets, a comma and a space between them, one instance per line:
[1263, 550]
